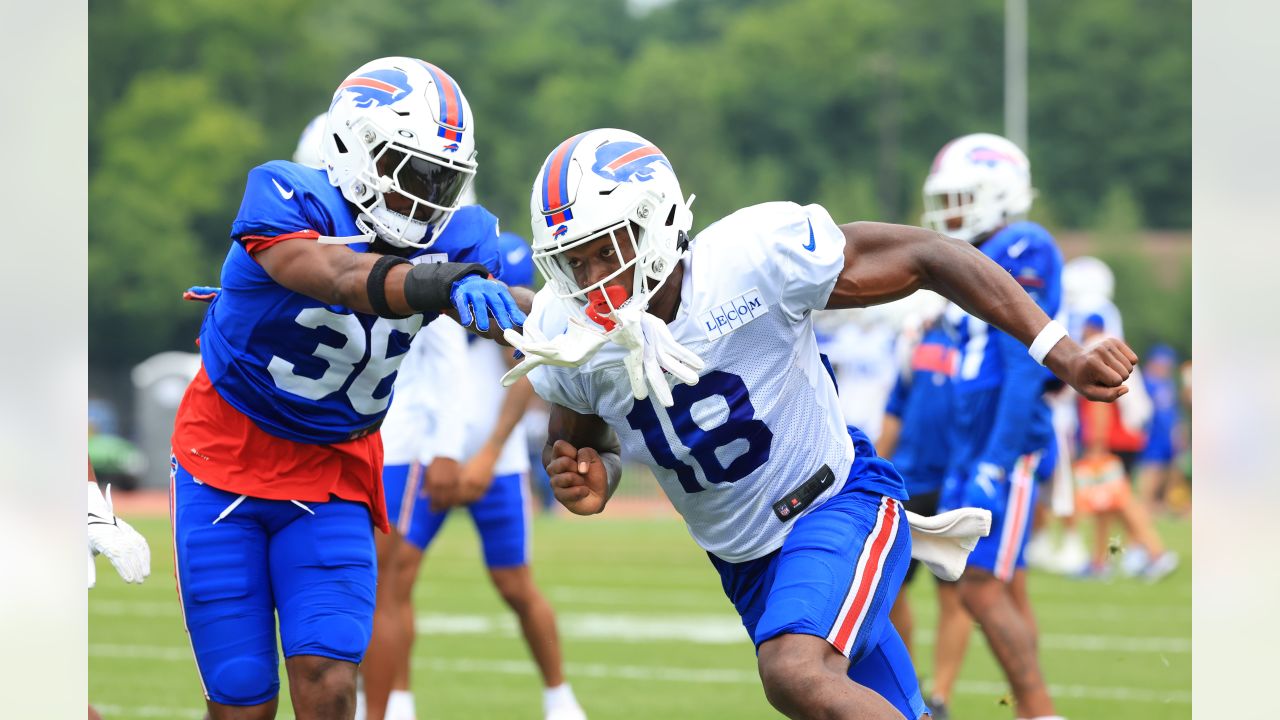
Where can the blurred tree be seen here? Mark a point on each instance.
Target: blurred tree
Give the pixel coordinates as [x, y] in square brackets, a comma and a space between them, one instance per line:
[159, 211]
[1153, 311]
[842, 102]
[1110, 87]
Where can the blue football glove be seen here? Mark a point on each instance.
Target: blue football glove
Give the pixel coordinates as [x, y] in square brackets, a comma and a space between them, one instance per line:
[988, 489]
[476, 298]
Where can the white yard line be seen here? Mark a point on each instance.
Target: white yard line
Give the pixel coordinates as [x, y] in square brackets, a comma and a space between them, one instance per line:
[637, 672]
[691, 628]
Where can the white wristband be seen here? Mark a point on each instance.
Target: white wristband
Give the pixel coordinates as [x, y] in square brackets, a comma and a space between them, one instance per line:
[1044, 342]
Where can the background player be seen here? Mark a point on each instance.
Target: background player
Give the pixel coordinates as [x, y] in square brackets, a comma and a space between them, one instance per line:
[470, 420]
[914, 437]
[1104, 477]
[275, 484]
[113, 537]
[811, 564]
[109, 535]
[421, 437]
[1157, 470]
[977, 190]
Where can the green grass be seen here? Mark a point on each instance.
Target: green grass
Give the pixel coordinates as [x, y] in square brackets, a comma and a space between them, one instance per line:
[627, 591]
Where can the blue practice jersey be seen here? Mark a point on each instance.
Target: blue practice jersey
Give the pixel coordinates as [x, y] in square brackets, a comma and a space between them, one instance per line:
[300, 369]
[1000, 412]
[922, 401]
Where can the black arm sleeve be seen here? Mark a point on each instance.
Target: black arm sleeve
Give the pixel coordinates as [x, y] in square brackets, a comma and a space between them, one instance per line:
[377, 286]
[428, 286]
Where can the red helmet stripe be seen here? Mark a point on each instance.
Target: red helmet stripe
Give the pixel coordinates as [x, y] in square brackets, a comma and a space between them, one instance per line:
[555, 175]
[450, 97]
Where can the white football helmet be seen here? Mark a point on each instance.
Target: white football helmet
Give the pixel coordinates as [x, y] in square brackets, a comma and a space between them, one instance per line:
[308, 150]
[400, 129]
[978, 183]
[1087, 277]
[600, 182]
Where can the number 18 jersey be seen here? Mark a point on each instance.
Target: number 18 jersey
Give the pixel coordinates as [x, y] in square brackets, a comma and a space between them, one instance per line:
[764, 416]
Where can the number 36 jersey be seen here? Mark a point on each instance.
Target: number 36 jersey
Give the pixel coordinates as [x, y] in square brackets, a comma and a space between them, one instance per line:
[302, 371]
[764, 416]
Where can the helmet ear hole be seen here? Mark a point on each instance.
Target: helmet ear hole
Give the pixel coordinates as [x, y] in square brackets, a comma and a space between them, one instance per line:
[337, 140]
[671, 216]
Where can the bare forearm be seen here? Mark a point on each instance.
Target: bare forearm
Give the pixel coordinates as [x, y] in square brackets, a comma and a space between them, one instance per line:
[890, 429]
[338, 276]
[514, 403]
[885, 262]
[585, 432]
[961, 273]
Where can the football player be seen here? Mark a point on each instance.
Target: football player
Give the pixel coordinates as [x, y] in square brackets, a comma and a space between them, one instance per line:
[914, 440]
[710, 374]
[421, 439]
[977, 191]
[277, 458]
[109, 535]
[491, 480]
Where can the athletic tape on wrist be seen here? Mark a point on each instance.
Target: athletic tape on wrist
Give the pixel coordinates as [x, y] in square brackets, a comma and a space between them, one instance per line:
[376, 286]
[1044, 342]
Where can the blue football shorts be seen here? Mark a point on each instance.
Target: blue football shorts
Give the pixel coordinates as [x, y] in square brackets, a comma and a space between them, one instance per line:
[836, 577]
[501, 516]
[1004, 550]
[243, 561]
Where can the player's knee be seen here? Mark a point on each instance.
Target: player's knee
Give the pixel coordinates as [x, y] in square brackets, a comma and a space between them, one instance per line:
[515, 585]
[243, 681]
[323, 679]
[978, 590]
[785, 674]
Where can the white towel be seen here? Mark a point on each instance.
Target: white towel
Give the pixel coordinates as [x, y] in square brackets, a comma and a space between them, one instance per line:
[943, 542]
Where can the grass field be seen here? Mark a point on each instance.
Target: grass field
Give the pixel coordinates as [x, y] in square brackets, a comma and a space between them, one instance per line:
[647, 633]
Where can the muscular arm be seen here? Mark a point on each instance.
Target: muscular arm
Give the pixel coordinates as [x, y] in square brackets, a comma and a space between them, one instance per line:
[514, 403]
[886, 262]
[332, 274]
[582, 456]
[336, 275]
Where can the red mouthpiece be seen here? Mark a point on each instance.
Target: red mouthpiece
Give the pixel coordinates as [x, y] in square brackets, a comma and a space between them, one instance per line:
[599, 308]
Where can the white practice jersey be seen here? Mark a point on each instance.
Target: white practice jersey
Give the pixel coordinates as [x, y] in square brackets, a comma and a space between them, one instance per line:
[485, 368]
[764, 416]
[424, 420]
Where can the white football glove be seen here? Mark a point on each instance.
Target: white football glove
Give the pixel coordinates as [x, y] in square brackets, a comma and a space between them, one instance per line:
[651, 351]
[109, 535]
[576, 345]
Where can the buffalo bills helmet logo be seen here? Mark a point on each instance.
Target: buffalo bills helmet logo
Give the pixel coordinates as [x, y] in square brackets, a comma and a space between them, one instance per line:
[451, 147]
[622, 161]
[376, 87]
[560, 231]
[990, 157]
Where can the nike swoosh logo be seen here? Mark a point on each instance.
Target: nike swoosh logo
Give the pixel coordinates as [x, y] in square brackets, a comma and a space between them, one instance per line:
[99, 520]
[286, 195]
[813, 244]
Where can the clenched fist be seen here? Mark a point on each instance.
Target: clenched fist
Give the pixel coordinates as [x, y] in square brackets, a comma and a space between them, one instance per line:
[579, 478]
[1098, 371]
